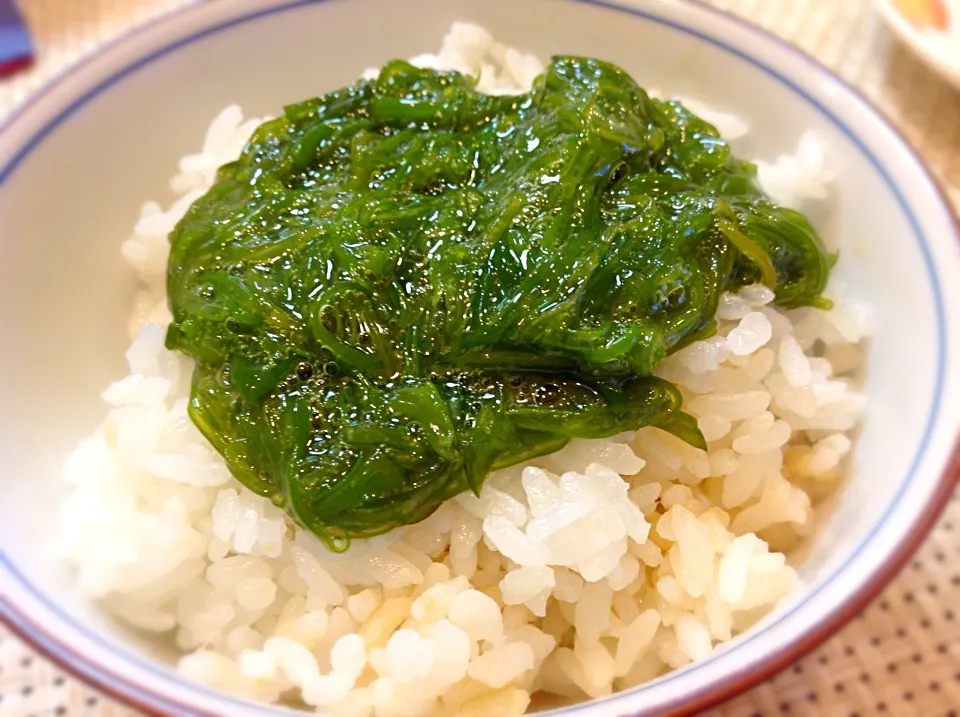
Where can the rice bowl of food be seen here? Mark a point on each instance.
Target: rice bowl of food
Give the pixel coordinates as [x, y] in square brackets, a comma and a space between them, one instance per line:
[597, 365]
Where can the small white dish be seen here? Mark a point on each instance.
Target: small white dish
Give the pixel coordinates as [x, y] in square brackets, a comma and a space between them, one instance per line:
[931, 28]
[78, 160]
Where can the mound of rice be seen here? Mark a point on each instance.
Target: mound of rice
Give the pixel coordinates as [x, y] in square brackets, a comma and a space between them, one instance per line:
[575, 575]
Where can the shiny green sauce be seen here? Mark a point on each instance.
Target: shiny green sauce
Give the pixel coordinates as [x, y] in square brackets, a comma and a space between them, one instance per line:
[405, 284]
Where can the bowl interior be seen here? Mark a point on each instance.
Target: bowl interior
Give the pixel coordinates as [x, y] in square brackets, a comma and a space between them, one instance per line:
[72, 179]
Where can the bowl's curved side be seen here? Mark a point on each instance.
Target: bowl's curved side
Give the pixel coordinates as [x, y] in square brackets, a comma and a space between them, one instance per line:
[136, 680]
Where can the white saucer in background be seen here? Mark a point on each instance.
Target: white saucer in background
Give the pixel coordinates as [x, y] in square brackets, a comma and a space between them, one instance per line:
[931, 28]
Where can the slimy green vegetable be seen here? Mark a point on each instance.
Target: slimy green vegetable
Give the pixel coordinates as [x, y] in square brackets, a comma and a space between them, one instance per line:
[405, 284]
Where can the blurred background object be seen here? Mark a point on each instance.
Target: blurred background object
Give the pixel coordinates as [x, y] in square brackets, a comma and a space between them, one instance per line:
[16, 48]
[63, 31]
[902, 655]
[931, 28]
[924, 13]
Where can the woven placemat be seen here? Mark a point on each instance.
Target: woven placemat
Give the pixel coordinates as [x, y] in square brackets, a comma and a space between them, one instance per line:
[901, 656]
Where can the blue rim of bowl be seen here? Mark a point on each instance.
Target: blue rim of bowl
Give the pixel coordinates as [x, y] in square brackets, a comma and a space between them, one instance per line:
[137, 695]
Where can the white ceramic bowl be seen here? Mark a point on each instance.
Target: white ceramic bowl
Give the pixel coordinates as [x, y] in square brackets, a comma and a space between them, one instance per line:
[76, 163]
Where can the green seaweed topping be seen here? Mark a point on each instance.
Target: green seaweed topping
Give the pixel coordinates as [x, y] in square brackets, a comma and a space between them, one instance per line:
[405, 284]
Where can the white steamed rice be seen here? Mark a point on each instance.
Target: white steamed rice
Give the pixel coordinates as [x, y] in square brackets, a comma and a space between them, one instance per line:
[588, 571]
